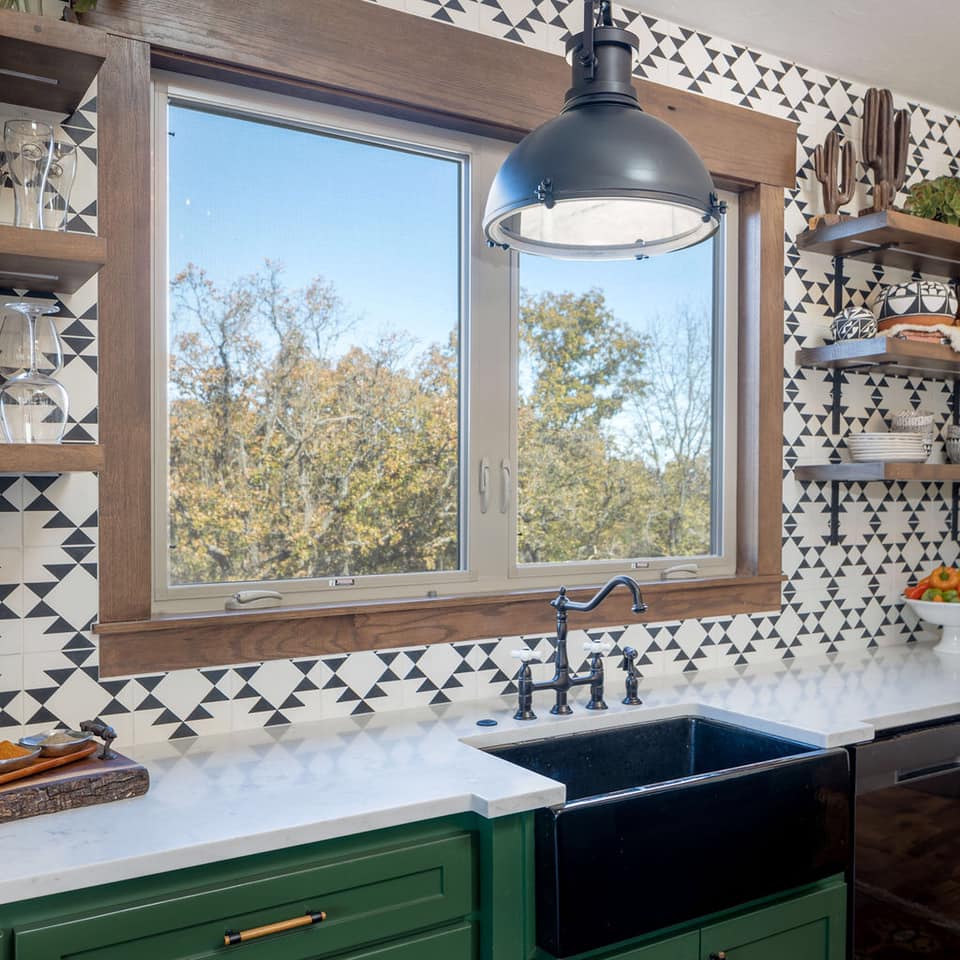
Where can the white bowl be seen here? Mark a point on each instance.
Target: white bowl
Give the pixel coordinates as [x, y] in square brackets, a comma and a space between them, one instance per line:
[944, 615]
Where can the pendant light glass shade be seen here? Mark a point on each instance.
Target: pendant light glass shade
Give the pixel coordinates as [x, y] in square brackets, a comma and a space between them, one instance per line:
[604, 180]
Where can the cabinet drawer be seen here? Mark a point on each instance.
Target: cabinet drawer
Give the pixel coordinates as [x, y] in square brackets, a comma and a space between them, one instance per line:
[809, 927]
[456, 943]
[368, 896]
[684, 947]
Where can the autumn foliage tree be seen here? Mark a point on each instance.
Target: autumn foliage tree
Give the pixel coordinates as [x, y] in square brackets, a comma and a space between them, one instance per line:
[296, 451]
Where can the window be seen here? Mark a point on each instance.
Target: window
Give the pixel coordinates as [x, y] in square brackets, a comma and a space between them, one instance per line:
[356, 399]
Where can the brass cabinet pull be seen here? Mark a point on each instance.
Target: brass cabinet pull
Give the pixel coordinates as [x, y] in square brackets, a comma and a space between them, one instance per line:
[233, 937]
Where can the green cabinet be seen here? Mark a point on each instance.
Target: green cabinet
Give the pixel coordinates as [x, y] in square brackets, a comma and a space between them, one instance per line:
[684, 947]
[807, 927]
[454, 889]
[376, 894]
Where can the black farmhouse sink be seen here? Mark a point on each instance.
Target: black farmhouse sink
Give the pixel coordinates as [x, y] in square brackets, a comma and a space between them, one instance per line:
[675, 819]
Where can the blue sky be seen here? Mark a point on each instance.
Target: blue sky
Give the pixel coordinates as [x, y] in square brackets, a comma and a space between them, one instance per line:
[382, 225]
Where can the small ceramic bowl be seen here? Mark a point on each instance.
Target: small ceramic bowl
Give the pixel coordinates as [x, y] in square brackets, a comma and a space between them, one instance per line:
[76, 742]
[18, 763]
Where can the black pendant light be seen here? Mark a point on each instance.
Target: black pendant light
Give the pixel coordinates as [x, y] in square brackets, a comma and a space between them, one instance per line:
[604, 180]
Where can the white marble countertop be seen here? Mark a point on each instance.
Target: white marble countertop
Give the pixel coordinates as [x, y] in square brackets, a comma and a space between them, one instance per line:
[227, 796]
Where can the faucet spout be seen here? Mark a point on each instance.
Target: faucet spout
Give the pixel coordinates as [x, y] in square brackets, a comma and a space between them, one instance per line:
[561, 603]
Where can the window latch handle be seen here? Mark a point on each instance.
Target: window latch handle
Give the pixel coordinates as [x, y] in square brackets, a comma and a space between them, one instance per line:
[505, 485]
[484, 486]
[249, 598]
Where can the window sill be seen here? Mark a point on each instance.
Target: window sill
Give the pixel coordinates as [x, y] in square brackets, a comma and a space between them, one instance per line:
[204, 640]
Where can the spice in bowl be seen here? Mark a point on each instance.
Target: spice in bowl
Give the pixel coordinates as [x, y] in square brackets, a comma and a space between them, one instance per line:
[10, 751]
[58, 739]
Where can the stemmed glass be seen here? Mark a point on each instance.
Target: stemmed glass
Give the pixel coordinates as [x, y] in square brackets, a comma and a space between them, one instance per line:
[15, 344]
[33, 406]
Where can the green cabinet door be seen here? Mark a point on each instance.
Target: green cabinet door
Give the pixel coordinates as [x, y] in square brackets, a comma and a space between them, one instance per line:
[456, 943]
[685, 947]
[369, 896]
[809, 927]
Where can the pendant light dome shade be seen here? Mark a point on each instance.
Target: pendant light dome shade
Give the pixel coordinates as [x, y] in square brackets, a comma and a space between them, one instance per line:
[604, 180]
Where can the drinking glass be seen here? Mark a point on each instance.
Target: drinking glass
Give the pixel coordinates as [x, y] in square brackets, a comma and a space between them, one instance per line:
[15, 344]
[59, 183]
[28, 145]
[33, 406]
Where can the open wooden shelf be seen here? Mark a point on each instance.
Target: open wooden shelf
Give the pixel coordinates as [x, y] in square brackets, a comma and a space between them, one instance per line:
[50, 457]
[864, 472]
[48, 260]
[905, 357]
[46, 64]
[892, 238]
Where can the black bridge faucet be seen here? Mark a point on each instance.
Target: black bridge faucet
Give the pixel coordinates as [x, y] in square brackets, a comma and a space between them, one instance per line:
[564, 678]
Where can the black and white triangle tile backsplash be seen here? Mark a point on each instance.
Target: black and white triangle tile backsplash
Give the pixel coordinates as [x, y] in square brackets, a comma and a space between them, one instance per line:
[835, 597]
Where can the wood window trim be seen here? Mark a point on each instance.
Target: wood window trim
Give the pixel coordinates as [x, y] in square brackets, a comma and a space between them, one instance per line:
[363, 55]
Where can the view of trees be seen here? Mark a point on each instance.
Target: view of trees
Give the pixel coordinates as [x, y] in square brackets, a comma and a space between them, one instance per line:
[296, 452]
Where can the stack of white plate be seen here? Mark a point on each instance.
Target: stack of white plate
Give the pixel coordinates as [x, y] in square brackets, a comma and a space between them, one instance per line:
[887, 447]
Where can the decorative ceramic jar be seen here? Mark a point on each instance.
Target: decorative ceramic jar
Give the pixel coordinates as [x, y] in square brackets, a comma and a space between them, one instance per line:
[924, 303]
[915, 421]
[952, 443]
[854, 323]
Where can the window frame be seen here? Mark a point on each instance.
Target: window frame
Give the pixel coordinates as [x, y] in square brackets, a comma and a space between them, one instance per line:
[489, 331]
[474, 83]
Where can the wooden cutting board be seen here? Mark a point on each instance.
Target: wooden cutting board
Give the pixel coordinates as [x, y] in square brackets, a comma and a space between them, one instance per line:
[81, 784]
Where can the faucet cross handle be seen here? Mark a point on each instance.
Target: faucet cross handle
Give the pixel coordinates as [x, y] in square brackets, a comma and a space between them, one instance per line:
[597, 646]
[526, 655]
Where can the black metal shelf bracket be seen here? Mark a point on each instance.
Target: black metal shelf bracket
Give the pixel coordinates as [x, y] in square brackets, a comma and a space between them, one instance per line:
[834, 512]
[837, 372]
[955, 509]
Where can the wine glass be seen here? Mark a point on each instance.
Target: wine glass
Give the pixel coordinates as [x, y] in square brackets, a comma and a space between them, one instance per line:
[28, 145]
[15, 344]
[33, 406]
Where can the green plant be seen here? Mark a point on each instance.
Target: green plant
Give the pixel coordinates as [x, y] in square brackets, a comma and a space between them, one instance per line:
[74, 7]
[937, 199]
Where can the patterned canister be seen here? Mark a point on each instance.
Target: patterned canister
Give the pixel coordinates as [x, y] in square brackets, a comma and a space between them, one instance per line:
[922, 303]
[854, 323]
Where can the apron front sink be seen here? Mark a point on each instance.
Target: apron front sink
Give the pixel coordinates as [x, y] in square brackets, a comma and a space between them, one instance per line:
[675, 819]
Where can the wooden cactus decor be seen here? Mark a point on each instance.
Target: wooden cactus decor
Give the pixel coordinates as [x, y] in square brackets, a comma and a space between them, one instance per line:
[886, 140]
[834, 168]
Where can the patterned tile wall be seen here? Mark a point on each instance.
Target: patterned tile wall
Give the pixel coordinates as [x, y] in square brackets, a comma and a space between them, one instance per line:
[836, 597]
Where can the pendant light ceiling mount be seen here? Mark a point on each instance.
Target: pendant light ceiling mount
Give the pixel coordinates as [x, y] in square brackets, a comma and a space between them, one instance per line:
[603, 180]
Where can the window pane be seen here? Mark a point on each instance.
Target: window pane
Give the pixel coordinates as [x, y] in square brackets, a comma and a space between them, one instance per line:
[616, 408]
[314, 331]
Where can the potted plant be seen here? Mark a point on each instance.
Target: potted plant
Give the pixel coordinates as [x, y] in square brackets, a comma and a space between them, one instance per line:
[73, 7]
[937, 199]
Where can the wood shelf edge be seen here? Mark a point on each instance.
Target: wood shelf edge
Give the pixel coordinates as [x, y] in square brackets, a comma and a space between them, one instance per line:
[49, 260]
[19, 458]
[870, 471]
[935, 360]
[50, 64]
[51, 32]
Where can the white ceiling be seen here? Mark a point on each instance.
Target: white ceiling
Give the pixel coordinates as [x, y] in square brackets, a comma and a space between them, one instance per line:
[909, 47]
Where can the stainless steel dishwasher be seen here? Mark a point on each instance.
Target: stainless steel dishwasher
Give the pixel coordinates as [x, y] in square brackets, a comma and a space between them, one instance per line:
[907, 844]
